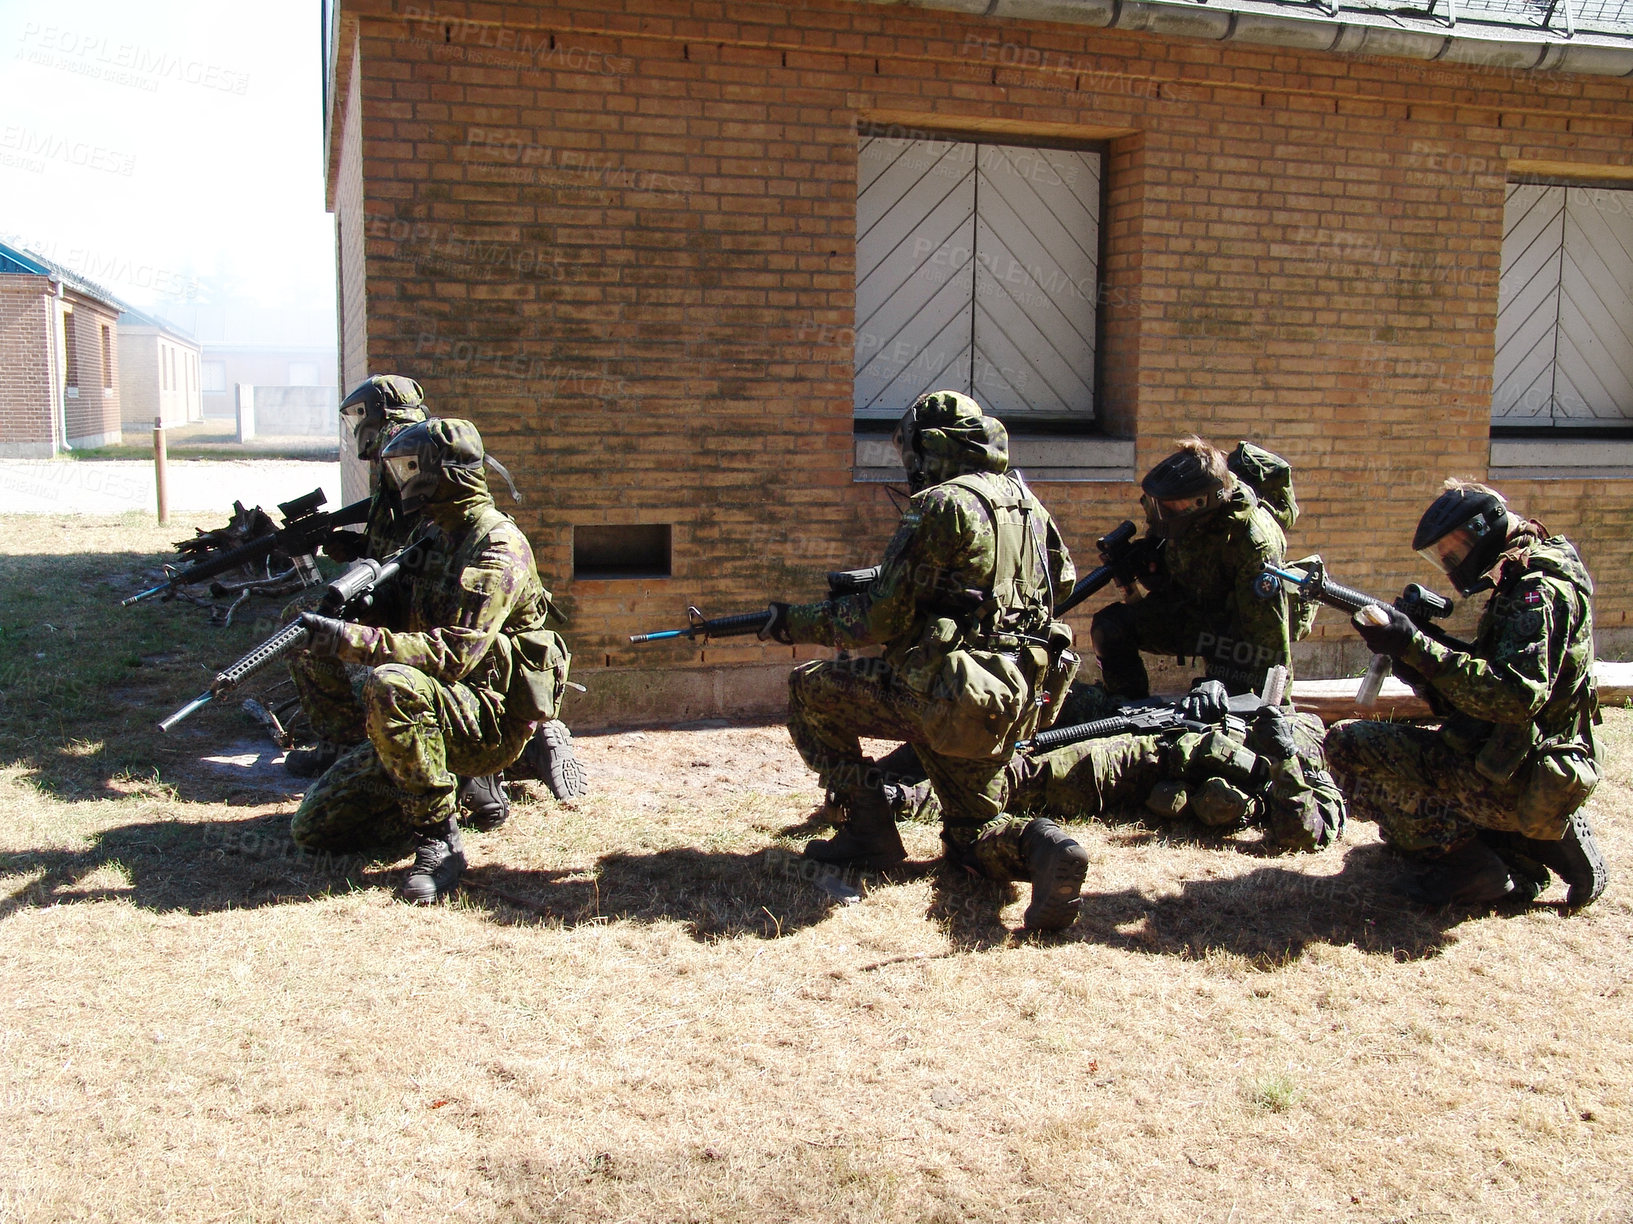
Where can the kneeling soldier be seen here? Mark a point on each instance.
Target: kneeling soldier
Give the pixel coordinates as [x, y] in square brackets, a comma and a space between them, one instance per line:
[963, 609]
[462, 666]
[1491, 799]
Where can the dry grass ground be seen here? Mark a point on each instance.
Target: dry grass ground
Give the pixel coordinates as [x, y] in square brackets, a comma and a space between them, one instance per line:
[640, 1011]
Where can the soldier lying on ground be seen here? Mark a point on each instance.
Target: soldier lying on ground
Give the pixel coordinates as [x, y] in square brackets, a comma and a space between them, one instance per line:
[1269, 772]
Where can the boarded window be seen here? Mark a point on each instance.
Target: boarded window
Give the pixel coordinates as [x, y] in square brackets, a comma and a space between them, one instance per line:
[1565, 309]
[107, 356]
[977, 270]
[214, 374]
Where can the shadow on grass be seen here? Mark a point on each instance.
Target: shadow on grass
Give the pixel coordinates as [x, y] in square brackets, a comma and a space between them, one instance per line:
[84, 682]
[1273, 914]
[208, 867]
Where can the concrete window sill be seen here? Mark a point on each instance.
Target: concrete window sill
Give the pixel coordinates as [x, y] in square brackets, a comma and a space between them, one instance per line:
[1554, 458]
[1042, 458]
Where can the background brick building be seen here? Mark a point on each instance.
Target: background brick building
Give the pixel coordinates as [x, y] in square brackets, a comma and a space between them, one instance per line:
[158, 373]
[60, 355]
[683, 262]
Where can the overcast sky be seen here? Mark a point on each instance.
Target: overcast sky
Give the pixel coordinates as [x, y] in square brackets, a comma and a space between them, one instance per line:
[172, 150]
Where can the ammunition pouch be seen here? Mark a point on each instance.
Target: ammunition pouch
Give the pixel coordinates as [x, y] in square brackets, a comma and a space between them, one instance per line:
[976, 704]
[1561, 778]
[530, 669]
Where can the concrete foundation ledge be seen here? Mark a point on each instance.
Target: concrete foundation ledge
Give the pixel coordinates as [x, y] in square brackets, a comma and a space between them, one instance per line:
[1326, 676]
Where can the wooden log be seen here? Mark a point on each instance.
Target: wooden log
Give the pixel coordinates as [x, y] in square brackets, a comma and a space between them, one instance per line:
[1335, 699]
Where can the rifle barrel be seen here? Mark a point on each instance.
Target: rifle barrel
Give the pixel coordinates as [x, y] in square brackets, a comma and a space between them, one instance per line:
[198, 702]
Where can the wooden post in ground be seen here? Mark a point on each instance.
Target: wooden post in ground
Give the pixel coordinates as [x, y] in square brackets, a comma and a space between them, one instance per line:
[158, 471]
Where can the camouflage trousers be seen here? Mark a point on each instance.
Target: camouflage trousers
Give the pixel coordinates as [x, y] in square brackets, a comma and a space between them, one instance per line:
[1425, 795]
[421, 734]
[831, 705]
[331, 694]
[1297, 802]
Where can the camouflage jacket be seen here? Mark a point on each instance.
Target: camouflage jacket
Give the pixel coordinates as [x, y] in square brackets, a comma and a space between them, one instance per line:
[1531, 663]
[946, 545]
[1210, 567]
[478, 581]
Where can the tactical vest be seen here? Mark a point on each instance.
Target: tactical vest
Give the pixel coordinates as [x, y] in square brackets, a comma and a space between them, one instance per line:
[1020, 597]
[998, 668]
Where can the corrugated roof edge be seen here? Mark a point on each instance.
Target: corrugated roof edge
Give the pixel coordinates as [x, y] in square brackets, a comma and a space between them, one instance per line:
[1349, 31]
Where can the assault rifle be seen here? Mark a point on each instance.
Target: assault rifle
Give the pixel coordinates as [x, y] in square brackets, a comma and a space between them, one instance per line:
[349, 593]
[304, 528]
[1154, 715]
[840, 582]
[1122, 559]
[1420, 605]
[1148, 716]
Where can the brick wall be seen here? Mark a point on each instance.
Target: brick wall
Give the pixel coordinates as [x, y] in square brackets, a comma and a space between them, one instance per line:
[25, 391]
[623, 242]
[92, 416]
[140, 378]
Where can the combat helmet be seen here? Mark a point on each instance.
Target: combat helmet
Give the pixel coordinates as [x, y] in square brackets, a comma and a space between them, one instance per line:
[417, 457]
[944, 434]
[381, 400]
[1464, 531]
[1194, 479]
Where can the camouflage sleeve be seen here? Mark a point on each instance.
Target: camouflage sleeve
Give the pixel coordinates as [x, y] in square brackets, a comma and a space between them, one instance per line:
[1514, 682]
[488, 588]
[1262, 622]
[934, 531]
[1062, 573]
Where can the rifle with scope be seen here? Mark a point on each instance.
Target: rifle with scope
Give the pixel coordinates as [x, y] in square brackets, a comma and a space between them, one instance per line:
[1123, 559]
[305, 527]
[1420, 605]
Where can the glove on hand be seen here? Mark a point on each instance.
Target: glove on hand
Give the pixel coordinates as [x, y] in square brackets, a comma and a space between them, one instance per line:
[1206, 702]
[776, 624]
[1273, 733]
[326, 634]
[1392, 637]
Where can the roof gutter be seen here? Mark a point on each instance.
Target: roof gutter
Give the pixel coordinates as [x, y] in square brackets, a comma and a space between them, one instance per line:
[1358, 33]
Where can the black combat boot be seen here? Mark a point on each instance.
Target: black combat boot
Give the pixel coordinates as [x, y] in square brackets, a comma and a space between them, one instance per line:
[484, 802]
[312, 759]
[1056, 865]
[439, 861]
[1576, 858]
[1472, 876]
[549, 756]
[868, 838]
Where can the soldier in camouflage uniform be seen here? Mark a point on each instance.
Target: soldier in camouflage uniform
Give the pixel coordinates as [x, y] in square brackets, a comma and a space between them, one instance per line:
[1491, 798]
[1272, 775]
[963, 610]
[1199, 600]
[1270, 772]
[329, 691]
[460, 673]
